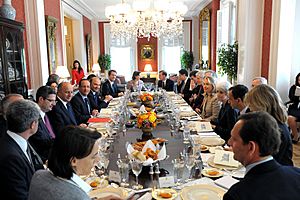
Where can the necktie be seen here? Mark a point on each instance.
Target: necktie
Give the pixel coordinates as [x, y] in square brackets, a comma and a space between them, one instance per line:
[35, 159]
[49, 127]
[86, 101]
[163, 85]
[29, 154]
[95, 99]
[182, 88]
[71, 113]
[113, 88]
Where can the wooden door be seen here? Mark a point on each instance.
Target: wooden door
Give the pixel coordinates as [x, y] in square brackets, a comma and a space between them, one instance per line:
[69, 42]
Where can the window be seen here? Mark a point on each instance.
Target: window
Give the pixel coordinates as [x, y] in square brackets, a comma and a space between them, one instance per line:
[171, 59]
[121, 61]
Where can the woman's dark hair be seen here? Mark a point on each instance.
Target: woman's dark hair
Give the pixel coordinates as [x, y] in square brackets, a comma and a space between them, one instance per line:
[135, 74]
[53, 77]
[49, 83]
[79, 65]
[297, 82]
[72, 142]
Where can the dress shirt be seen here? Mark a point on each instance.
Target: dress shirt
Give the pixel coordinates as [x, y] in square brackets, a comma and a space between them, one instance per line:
[21, 142]
[42, 114]
[64, 103]
[244, 110]
[86, 102]
[249, 167]
[183, 86]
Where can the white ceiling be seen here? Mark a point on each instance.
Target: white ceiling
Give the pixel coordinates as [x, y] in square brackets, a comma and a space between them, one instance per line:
[96, 7]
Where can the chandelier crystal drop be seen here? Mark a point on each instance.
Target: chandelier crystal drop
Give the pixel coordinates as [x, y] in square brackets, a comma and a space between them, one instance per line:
[146, 18]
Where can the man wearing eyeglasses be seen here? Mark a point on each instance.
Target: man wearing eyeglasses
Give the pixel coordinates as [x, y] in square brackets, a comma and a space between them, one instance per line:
[43, 139]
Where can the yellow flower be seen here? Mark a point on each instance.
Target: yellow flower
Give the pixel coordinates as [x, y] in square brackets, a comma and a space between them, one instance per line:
[152, 118]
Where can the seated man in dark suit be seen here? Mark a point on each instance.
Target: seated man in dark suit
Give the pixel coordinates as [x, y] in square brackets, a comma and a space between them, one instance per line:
[18, 160]
[109, 87]
[236, 96]
[183, 87]
[254, 139]
[164, 82]
[43, 139]
[62, 114]
[81, 104]
[95, 96]
[6, 101]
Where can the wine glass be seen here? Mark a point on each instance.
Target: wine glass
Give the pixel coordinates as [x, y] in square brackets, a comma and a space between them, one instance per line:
[136, 167]
[189, 163]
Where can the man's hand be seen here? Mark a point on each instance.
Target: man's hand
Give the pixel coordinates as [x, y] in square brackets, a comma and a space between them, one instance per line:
[83, 125]
[120, 94]
[95, 112]
[108, 98]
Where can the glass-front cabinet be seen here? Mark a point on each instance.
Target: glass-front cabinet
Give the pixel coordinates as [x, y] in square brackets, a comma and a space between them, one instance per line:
[12, 62]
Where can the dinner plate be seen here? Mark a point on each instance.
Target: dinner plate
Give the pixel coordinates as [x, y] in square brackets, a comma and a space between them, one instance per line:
[212, 141]
[113, 103]
[212, 172]
[104, 192]
[156, 194]
[213, 149]
[96, 182]
[202, 192]
[211, 163]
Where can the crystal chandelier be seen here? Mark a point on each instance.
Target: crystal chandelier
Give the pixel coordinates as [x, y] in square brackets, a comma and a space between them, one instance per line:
[146, 18]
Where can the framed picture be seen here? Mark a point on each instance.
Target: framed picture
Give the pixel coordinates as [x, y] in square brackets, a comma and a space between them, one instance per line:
[89, 52]
[147, 52]
[51, 26]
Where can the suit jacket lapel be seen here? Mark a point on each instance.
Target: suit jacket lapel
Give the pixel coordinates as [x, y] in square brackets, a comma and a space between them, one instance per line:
[65, 110]
[44, 128]
[17, 147]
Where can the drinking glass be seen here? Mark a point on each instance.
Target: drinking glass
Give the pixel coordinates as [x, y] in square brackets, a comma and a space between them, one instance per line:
[189, 163]
[136, 167]
[186, 136]
[178, 165]
[123, 165]
[102, 164]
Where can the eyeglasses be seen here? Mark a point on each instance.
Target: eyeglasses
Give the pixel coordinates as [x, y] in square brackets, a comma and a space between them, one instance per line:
[51, 100]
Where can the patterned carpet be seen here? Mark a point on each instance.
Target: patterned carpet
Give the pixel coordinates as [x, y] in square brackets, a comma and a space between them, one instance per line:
[296, 154]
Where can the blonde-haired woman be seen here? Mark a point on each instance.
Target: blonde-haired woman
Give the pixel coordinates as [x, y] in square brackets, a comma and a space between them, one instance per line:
[265, 98]
[211, 106]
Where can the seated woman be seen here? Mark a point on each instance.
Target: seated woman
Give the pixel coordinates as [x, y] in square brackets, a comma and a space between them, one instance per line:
[294, 110]
[53, 85]
[197, 93]
[265, 98]
[227, 115]
[73, 154]
[136, 84]
[211, 106]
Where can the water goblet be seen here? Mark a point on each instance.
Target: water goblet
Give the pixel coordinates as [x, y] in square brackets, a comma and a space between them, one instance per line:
[136, 167]
[178, 165]
[189, 163]
[123, 165]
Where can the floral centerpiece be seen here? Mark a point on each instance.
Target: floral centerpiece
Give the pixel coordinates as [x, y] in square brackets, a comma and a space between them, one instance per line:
[146, 97]
[146, 121]
[147, 101]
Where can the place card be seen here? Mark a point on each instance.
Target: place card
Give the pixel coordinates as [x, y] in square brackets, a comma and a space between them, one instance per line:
[167, 181]
[114, 176]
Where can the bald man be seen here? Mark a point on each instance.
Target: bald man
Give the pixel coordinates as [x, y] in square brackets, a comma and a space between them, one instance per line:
[6, 101]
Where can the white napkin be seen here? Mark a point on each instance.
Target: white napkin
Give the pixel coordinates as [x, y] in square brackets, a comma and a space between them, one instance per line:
[226, 182]
[147, 196]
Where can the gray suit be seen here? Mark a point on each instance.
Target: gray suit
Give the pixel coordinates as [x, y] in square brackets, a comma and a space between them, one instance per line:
[44, 185]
